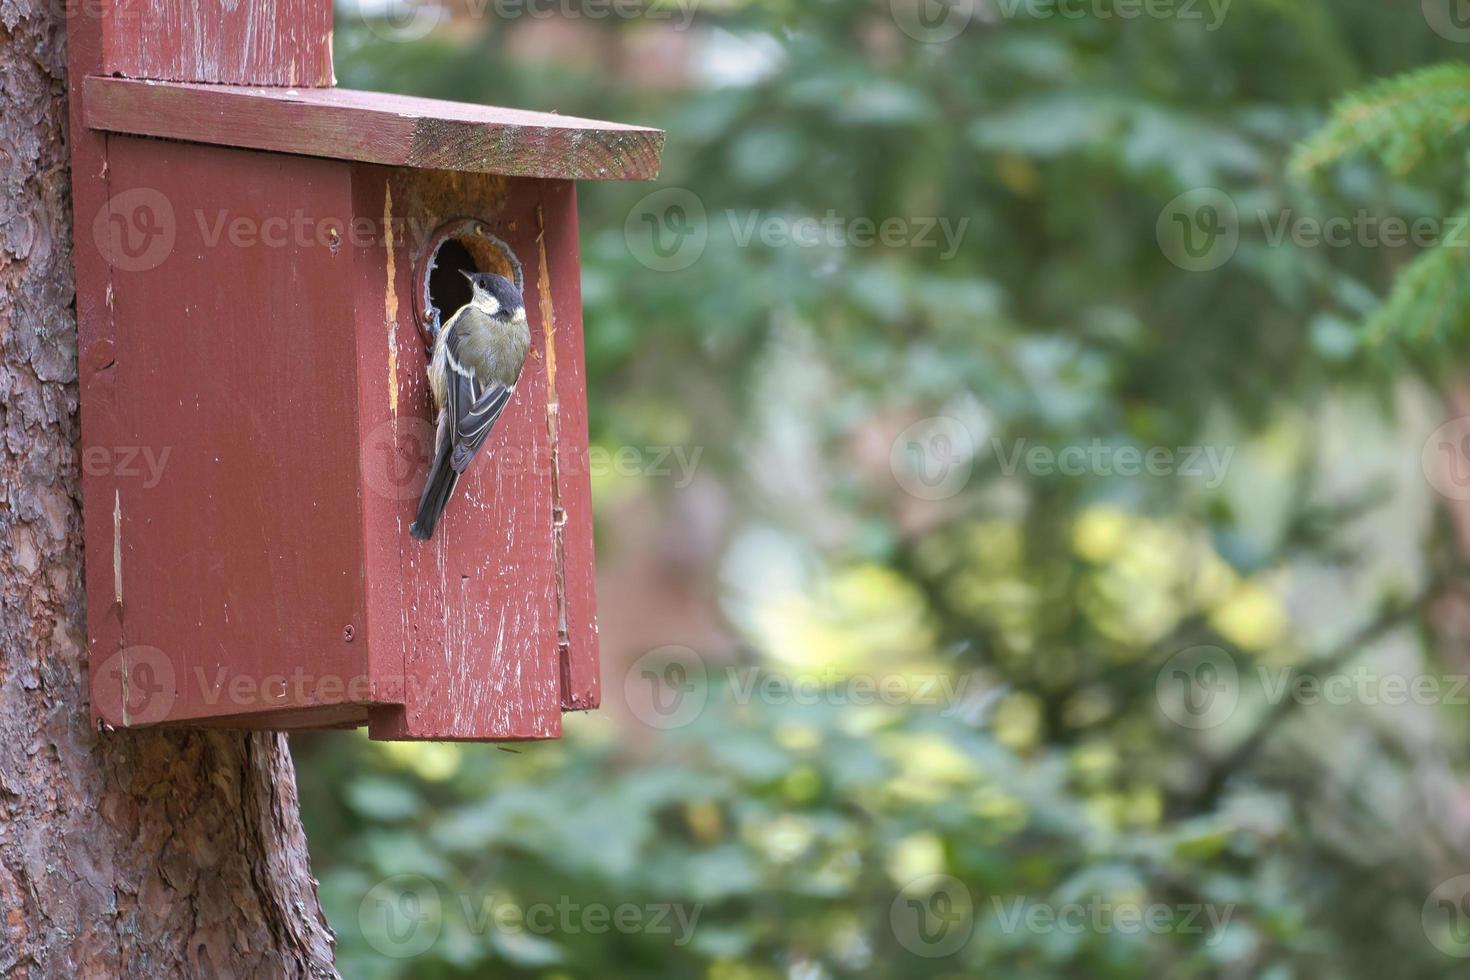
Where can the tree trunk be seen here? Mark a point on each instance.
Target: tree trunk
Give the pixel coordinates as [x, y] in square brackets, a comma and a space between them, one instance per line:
[121, 854]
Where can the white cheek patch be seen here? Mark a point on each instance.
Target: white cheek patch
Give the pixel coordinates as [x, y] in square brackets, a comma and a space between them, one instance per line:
[489, 304]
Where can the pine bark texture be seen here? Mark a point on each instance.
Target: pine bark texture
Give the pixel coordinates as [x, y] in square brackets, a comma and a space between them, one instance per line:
[121, 854]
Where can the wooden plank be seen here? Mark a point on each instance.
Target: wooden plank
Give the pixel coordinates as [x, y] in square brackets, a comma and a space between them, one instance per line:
[240, 543]
[558, 300]
[107, 659]
[469, 619]
[260, 42]
[371, 127]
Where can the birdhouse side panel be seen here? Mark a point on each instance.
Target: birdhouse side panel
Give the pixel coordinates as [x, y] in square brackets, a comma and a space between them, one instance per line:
[235, 547]
[559, 302]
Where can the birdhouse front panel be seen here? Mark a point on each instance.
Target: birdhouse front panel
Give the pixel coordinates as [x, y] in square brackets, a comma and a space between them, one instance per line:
[489, 624]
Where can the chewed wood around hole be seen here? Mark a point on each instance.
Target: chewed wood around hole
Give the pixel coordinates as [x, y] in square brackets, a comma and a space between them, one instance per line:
[440, 288]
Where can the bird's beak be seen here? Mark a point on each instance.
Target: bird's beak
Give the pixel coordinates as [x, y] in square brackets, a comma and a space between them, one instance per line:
[468, 275]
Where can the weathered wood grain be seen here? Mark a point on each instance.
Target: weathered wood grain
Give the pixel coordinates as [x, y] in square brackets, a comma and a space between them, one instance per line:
[558, 300]
[239, 560]
[472, 620]
[370, 127]
[259, 42]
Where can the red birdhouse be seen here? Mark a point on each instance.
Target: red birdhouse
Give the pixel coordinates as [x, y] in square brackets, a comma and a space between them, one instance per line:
[261, 262]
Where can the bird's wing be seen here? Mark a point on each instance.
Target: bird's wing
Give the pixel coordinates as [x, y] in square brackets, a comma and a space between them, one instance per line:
[473, 409]
[476, 410]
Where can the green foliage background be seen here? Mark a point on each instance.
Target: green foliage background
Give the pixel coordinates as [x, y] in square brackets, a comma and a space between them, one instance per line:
[1057, 600]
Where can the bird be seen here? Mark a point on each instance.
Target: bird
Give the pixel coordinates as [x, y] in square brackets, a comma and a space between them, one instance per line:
[478, 356]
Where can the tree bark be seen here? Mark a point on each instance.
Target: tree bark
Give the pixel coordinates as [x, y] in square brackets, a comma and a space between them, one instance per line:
[121, 854]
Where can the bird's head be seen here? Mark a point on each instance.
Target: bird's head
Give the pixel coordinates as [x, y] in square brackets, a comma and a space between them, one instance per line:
[496, 295]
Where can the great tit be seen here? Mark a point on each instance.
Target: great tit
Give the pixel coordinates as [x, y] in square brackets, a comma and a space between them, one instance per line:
[477, 359]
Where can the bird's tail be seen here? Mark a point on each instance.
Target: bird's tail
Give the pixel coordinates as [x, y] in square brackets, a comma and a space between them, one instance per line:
[437, 491]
